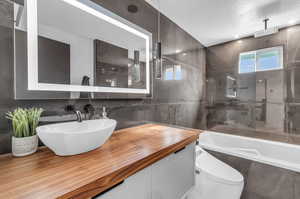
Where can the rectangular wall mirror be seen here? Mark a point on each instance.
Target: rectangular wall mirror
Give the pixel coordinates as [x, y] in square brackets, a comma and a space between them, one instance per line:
[64, 47]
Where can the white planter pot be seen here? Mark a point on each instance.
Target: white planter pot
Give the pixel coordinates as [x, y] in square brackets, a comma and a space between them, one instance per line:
[24, 146]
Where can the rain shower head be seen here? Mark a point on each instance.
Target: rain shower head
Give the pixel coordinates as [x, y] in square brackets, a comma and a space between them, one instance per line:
[266, 31]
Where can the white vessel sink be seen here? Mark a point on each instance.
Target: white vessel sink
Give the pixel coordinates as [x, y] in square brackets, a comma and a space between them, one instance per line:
[71, 138]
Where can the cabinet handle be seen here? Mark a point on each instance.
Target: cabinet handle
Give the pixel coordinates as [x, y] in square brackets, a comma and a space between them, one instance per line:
[179, 150]
[109, 189]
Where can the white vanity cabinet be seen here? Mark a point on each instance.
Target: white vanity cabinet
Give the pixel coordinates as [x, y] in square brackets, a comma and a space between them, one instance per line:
[173, 176]
[169, 178]
[134, 187]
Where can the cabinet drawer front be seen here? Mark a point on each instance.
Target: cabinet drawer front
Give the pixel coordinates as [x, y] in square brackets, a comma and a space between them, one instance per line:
[169, 178]
[173, 176]
[134, 187]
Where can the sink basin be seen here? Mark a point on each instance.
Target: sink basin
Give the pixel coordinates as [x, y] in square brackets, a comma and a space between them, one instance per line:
[71, 138]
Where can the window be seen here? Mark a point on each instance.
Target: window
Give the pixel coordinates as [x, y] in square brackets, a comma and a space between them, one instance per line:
[247, 62]
[169, 73]
[178, 73]
[261, 60]
[173, 72]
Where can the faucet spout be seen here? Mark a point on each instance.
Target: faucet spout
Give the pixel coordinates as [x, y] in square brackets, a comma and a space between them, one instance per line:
[79, 116]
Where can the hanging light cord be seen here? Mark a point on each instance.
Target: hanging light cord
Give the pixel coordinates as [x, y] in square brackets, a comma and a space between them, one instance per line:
[158, 21]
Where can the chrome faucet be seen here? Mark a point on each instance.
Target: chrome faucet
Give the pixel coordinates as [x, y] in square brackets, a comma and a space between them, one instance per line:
[79, 116]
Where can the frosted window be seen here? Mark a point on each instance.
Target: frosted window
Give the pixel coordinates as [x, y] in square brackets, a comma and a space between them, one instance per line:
[173, 72]
[169, 73]
[268, 60]
[178, 72]
[261, 60]
[247, 63]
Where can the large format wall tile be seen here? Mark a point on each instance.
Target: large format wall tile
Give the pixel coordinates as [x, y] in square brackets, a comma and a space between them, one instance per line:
[223, 57]
[293, 46]
[6, 65]
[6, 11]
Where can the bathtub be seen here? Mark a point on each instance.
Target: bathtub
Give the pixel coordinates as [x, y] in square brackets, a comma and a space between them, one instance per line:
[277, 154]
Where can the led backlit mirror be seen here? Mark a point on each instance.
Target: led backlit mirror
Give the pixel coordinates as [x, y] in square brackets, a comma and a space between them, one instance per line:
[78, 46]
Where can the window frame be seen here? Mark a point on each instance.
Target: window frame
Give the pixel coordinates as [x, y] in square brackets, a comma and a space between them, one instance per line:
[169, 67]
[173, 67]
[255, 52]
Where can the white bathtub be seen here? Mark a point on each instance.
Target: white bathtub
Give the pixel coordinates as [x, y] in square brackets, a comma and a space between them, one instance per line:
[277, 154]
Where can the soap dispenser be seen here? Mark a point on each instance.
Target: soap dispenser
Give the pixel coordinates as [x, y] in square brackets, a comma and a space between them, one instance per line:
[104, 113]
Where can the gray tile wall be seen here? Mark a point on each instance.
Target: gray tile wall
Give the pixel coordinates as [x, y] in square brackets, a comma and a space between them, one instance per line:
[173, 102]
[263, 181]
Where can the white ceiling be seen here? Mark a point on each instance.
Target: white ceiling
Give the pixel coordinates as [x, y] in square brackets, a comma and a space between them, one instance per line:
[217, 21]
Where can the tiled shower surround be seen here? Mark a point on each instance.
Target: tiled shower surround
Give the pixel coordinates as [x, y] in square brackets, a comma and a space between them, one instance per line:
[172, 102]
[266, 101]
[263, 181]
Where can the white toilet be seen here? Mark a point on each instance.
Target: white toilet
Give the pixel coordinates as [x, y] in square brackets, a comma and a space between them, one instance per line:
[215, 179]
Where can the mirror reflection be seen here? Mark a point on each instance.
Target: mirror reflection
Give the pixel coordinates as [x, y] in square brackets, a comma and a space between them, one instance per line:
[94, 52]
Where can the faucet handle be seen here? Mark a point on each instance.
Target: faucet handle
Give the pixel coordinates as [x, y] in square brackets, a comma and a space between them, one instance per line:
[89, 108]
[70, 108]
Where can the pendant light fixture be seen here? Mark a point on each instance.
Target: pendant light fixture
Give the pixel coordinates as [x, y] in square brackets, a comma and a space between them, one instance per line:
[158, 51]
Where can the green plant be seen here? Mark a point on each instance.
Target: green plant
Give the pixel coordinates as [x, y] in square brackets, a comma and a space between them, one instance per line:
[24, 121]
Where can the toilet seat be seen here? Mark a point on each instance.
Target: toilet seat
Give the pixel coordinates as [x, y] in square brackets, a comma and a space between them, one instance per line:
[217, 170]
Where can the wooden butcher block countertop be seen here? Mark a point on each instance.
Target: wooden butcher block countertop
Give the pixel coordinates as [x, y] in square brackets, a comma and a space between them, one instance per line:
[45, 175]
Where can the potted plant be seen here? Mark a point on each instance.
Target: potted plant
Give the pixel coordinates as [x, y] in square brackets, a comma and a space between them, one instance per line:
[24, 123]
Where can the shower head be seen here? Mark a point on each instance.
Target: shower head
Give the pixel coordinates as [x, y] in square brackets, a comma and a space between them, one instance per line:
[267, 30]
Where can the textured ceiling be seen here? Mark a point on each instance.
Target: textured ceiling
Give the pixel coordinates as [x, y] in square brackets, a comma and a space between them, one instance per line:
[217, 21]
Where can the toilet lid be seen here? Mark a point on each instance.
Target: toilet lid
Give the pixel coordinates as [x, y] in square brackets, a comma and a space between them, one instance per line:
[218, 169]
